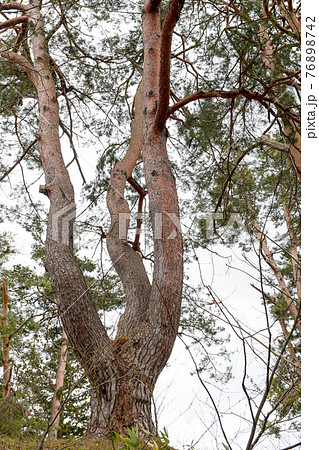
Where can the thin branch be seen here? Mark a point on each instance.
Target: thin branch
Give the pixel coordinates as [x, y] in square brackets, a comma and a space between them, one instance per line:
[208, 392]
[232, 94]
[55, 28]
[295, 359]
[281, 81]
[23, 324]
[21, 39]
[46, 296]
[292, 446]
[239, 330]
[188, 63]
[232, 173]
[51, 422]
[66, 131]
[292, 19]
[18, 160]
[250, 443]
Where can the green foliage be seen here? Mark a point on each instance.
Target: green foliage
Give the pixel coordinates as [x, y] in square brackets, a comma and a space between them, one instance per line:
[134, 441]
[18, 88]
[6, 248]
[12, 413]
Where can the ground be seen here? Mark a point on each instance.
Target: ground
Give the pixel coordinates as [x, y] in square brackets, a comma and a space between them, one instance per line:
[78, 444]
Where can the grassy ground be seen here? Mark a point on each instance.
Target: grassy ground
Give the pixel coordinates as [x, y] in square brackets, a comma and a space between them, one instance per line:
[79, 444]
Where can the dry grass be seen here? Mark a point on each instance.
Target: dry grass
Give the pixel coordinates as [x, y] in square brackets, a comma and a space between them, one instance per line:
[76, 444]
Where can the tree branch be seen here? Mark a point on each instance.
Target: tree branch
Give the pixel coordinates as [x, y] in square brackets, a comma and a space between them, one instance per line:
[127, 262]
[231, 94]
[290, 129]
[269, 259]
[17, 6]
[251, 444]
[18, 59]
[291, 17]
[232, 173]
[294, 251]
[12, 22]
[295, 359]
[55, 28]
[18, 160]
[23, 324]
[142, 194]
[274, 144]
[165, 62]
[75, 155]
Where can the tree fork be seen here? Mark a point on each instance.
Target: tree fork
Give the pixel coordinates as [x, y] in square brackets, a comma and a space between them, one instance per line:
[122, 372]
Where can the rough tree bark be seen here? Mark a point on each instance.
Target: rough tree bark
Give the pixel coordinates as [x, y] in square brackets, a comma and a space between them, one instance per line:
[122, 372]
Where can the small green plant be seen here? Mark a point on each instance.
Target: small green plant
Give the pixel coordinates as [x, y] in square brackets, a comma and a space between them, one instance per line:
[134, 441]
[161, 441]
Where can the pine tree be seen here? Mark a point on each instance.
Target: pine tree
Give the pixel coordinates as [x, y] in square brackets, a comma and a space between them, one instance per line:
[229, 127]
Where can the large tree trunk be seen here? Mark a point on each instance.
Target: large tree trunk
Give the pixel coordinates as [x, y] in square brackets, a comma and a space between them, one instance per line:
[124, 398]
[122, 372]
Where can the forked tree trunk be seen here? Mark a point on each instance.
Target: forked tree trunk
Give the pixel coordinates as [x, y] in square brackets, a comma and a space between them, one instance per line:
[148, 327]
[122, 372]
